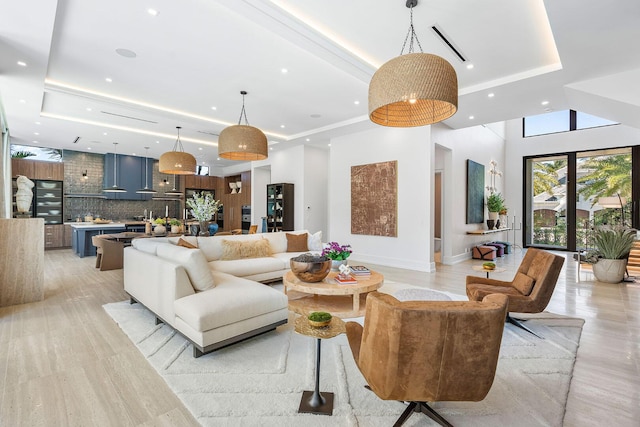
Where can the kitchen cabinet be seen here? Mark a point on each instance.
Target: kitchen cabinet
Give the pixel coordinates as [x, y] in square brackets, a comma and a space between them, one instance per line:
[23, 167]
[234, 201]
[201, 182]
[130, 175]
[53, 171]
[68, 234]
[280, 207]
[54, 236]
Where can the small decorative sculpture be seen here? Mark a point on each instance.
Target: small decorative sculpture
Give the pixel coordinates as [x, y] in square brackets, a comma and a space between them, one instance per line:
[233, 187]
[239, 186]
[24, 195]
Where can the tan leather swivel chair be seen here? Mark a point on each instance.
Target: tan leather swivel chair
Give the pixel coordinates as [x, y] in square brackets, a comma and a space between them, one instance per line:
[428, 351]
[109, 253]
[529, 291]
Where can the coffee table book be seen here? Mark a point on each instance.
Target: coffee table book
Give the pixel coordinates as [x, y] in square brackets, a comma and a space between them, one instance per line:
[345, 280]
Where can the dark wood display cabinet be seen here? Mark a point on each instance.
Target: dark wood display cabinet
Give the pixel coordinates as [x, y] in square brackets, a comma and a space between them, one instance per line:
[280, 207]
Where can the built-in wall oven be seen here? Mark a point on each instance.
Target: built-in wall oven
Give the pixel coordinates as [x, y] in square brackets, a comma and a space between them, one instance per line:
[246, 218]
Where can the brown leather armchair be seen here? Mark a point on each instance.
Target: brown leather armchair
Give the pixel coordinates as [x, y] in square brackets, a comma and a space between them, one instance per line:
[426, 351]
[529, 291]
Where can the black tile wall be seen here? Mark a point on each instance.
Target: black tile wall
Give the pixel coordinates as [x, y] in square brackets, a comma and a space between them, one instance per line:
[76, 162]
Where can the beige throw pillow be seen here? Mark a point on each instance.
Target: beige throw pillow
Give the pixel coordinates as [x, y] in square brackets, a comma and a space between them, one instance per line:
[297, 242]
[523, 283]
[186, 244]
[235, 249]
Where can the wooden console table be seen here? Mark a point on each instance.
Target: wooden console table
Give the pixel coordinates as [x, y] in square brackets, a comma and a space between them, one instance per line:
[483, 232]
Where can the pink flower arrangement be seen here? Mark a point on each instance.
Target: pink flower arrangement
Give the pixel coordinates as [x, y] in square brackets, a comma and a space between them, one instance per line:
[337, 252]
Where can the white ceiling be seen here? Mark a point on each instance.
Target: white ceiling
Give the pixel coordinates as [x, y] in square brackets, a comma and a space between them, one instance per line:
[199, 54]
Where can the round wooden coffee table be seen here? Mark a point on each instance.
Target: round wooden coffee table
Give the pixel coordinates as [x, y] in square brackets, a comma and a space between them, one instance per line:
[340, 300]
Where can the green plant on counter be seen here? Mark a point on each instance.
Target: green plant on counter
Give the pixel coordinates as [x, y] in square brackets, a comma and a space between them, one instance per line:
[159, 221]
[174, 221]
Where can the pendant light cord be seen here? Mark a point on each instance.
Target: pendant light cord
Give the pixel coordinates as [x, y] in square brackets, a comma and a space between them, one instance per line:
[411, 32]
[243, 113]
[115, 163]
[146, 166]
[178, 143]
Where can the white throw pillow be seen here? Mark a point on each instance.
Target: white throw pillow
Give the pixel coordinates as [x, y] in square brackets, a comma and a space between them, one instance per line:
[194, 263]
[314, 241]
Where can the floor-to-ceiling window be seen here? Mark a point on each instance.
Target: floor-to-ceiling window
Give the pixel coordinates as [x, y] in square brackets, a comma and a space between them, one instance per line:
[567, 195]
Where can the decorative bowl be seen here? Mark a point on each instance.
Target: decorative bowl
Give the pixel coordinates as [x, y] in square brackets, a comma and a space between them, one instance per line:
[48, 185]
[319, 319]
[310, 268]
[489, 265]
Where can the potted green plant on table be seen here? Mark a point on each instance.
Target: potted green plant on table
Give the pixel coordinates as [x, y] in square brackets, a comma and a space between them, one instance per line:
[175, 225]
[203, 207]
[495, 203]
[609, 259]
[337, 253]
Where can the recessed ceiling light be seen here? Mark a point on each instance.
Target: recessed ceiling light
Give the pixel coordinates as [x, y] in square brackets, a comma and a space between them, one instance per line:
[214, 108]
[35, 142]
[491, 95]
[22, 101]
[356, 102]
[133, 154]
[200, 148]
[271, 148]
[471, 117]
[469, 66]
[545, 102]
[204, 163]
[104, 133]
[108, 80]
[152, 12]
[36, 133]
[284, 71]
[308, 139]
[157, 142]
[88, 148]
[218, 158]
[38, 123]
[88, 108]
[126, 53]
[282, 126]
[22, 63]
[329, 145]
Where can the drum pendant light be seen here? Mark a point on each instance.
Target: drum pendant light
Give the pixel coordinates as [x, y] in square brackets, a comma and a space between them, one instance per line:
[114, 188]
[242, 142]
[146, 189]
[414, 89]
[177, 162]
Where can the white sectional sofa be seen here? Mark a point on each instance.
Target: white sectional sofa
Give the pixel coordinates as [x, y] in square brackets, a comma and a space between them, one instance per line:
[211, 294]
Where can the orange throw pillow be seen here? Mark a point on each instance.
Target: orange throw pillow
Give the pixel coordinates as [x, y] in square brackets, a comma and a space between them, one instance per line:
[186, 244]
[297, 242]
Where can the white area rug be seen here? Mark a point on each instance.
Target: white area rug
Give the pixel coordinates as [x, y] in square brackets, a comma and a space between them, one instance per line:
[259, 382]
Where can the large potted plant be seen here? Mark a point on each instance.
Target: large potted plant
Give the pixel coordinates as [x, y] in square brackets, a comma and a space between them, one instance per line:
[610, 258]
[495, 203]
[203, 207]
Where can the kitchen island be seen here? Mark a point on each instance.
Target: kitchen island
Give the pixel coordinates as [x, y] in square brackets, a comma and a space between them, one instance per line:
[83, 232]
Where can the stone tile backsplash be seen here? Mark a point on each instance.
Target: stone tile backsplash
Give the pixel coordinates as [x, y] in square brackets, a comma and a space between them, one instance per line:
[76, 162]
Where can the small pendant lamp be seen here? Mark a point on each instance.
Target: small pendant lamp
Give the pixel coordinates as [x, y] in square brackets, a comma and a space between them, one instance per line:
[177, 162]
[146, 189]
[174, 191]
[114, 188]
[414, 89]
[242, 142]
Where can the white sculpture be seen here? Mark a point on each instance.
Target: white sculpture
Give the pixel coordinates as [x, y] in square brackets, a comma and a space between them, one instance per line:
[233, 187]
[24, 195]
[239, 186]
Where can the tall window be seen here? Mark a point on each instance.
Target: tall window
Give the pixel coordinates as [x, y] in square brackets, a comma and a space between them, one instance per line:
[567, 195]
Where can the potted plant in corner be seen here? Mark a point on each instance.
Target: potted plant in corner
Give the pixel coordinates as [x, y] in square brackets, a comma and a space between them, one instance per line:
[609, 260]
[495, 203]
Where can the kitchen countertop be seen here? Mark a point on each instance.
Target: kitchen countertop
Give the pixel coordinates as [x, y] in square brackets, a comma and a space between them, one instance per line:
[86, 224]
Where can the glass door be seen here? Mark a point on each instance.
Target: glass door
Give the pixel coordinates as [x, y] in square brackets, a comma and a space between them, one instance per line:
[546, 202]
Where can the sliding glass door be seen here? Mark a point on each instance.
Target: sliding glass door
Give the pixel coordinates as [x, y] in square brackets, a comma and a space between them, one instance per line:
[567, 195]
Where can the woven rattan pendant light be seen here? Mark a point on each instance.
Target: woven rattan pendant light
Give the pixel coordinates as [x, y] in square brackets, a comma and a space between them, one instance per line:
[177, 162]
[414, 89]
[242, 142]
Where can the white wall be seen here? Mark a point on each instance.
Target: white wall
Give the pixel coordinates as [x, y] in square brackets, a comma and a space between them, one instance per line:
[411, 148]
[587, 139]
[480, 144]
[260, 177]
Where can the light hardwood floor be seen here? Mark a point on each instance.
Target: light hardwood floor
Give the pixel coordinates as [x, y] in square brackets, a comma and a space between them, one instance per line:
[63, 361]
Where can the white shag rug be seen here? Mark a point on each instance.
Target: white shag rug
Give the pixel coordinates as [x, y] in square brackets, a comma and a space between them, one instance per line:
[259, 382]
